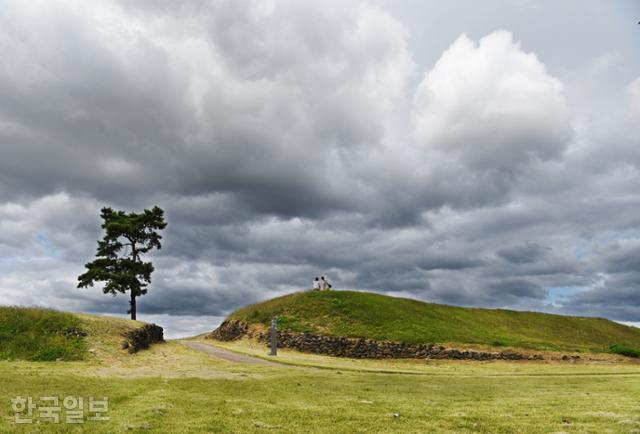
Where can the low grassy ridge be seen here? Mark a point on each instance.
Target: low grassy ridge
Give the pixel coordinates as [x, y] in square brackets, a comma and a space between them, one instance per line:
[375, 316]
[39, 334]
[47, 335]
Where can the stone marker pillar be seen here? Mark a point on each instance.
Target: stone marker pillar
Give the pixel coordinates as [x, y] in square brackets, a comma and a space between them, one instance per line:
[274, 336]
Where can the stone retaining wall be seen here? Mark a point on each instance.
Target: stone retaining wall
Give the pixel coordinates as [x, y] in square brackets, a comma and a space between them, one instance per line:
[361, 348]
[142, 337]
[229, 330]
[372, 349]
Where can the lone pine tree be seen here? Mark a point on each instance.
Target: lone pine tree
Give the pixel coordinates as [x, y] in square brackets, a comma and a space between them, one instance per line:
[118, 261]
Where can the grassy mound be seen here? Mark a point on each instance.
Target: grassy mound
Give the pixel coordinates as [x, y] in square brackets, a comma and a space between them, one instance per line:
[375, 316]
[40, 334]
[47, 335]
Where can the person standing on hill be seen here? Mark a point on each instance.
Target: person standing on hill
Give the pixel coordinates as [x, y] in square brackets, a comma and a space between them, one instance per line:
[325, 284]
[316, 284]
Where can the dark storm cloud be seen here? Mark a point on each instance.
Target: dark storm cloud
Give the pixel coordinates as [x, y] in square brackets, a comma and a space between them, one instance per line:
[523, 254]
[206, 109]
[614, 290]
[288, 140]
[188, 303]
[441, 262]
[517, 288]
[622, 257]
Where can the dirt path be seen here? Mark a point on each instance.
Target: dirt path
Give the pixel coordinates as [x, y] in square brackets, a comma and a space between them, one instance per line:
[229, 355]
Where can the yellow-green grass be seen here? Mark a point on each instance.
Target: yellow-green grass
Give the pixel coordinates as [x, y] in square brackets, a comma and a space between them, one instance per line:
[212, 395]
[47, 335]
[39, 334]
[375, 316]
[171, 388]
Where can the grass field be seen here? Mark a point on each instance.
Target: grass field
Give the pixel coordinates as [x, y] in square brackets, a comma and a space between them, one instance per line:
[171, 388]
[374, 316]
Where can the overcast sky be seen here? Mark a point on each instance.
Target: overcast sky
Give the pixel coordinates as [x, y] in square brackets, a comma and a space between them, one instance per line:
[463, 152]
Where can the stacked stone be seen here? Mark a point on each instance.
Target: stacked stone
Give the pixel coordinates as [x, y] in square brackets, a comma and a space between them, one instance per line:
[142, 337]
[229, 330]
[373, 349]
[360, 348]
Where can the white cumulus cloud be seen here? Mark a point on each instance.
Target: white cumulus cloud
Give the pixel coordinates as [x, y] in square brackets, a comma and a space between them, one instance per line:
[492, 104]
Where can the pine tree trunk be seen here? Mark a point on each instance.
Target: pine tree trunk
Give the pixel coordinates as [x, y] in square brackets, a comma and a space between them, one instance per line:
[133, 306]
[134, 253]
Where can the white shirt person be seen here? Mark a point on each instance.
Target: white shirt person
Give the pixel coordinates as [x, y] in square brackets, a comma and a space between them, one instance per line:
[325, 284]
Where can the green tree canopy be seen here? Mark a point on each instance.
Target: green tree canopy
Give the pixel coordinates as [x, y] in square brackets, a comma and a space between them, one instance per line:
[118, 261]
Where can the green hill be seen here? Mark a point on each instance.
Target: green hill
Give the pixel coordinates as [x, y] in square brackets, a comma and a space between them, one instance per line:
[47, 335]
[375, 316]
